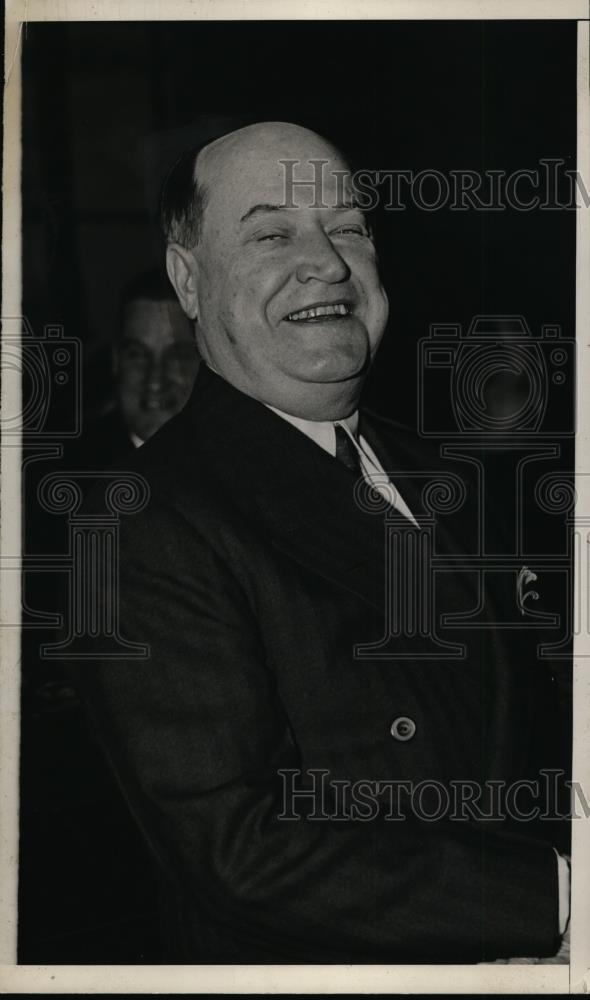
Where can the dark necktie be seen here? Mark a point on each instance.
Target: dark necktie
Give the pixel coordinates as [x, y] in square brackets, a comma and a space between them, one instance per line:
[346, 452]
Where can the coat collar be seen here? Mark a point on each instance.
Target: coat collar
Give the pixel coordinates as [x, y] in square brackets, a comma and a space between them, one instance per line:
[301, 498]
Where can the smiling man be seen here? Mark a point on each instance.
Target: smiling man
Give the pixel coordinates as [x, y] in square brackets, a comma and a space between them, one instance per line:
[256, 577]
[289, 299]
[154, 363]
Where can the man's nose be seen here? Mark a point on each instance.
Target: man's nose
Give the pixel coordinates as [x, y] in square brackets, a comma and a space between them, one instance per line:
[320, 261]
[156, 376]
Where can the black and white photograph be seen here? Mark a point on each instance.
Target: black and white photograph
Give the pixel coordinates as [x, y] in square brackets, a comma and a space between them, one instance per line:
[295, 544]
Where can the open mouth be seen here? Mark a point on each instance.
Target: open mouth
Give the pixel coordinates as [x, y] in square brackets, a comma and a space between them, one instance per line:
[334, 310]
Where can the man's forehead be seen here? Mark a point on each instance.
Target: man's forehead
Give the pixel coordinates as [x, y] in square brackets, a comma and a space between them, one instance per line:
[286, 165]
[312, 183]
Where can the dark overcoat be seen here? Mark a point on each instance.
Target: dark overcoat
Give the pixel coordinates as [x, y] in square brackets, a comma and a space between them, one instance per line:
[266, 583]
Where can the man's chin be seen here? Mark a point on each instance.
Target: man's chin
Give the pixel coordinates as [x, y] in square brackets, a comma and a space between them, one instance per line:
[147, 426]
[331, 371]
[326, 351]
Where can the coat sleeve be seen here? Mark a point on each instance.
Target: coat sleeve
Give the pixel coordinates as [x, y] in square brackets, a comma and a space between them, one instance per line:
[197, 735]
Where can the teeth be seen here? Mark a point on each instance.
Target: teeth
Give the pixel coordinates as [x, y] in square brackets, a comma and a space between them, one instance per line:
[338, 309]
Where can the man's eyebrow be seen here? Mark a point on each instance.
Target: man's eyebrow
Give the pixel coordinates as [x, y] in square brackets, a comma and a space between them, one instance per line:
[263, 208]
[344, 206]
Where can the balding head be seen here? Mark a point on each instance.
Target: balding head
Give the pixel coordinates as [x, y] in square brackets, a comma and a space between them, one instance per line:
[190, 182]
[266, 140]
[283, 280]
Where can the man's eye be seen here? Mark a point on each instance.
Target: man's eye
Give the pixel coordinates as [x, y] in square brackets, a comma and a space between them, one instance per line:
[347, 230]
[265, 237]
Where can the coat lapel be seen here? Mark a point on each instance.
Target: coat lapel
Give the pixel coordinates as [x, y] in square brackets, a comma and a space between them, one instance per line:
[435, 491]
[299, 495]
[398, 461]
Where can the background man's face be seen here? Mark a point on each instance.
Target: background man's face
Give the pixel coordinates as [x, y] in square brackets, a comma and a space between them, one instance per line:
[286, 296]
[156, 362]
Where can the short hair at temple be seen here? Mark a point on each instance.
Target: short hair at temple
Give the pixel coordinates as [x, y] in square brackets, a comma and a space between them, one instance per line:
[182, 201]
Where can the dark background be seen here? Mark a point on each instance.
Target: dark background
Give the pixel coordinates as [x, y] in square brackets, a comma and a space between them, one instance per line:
[106, 109]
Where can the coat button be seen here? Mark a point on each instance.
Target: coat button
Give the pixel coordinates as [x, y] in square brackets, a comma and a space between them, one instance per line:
[403, 728]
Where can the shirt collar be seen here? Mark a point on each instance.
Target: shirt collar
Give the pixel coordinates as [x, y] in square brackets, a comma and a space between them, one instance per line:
[320, 431]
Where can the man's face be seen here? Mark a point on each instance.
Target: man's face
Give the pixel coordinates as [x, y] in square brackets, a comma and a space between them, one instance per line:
[156, 362]
[290, 305]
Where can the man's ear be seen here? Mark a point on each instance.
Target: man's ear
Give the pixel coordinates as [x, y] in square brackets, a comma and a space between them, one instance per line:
[183, 270]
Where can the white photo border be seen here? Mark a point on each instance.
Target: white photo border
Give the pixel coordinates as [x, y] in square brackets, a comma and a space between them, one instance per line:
[253, 979]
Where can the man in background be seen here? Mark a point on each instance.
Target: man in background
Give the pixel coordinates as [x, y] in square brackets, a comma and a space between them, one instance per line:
[155, 362]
